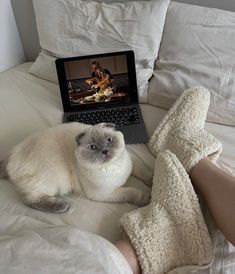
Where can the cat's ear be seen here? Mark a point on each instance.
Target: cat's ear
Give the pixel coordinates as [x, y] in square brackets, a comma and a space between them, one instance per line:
[79, 137]
[107, 125]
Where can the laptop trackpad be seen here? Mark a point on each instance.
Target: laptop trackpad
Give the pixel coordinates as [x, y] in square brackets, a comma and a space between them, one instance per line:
[134, 134]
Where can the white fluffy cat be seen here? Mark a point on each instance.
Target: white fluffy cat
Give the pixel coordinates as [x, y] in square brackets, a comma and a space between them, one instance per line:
[73, 158]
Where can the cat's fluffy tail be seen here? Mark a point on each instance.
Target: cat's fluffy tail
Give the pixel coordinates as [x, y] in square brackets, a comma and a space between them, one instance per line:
[3, 170]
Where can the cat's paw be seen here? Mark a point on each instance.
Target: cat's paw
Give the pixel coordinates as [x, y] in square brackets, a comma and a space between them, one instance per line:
[148, 178]
[144, 198]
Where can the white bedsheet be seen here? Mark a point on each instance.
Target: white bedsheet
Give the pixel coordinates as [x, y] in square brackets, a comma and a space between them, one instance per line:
[29, 104]
[29, 246]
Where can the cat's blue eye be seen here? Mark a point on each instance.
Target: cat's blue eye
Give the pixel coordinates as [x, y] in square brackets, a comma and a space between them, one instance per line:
[110, 140]
[93, 147]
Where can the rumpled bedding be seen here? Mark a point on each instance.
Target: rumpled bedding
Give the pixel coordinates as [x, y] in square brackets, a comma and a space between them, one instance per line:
[37, 242]
[30, 246]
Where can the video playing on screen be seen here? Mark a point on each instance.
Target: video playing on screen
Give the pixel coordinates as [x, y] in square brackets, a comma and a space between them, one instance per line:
[99, 80]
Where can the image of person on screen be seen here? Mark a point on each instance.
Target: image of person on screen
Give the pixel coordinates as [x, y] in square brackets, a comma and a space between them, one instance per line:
[101, 77]
[104, 79]
[94, 66]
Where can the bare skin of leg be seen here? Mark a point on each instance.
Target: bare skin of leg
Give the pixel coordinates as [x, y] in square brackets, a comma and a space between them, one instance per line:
[128, 251]
[218, 189]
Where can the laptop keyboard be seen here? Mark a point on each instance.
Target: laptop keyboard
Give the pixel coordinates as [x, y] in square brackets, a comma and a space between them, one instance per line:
[118, 116]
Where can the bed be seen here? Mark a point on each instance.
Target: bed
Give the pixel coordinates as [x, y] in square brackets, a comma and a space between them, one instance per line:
[29, 104]
[80, 240]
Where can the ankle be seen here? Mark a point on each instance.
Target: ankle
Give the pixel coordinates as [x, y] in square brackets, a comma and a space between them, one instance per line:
[202, 163]
[198, 171]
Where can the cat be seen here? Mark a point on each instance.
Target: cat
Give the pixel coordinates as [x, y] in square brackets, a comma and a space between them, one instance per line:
[74, 158]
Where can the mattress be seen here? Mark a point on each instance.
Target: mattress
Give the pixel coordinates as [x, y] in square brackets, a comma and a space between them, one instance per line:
[29, 104]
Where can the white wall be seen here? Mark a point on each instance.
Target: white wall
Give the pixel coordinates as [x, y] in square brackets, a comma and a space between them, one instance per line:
[11, 51]
[25, 19]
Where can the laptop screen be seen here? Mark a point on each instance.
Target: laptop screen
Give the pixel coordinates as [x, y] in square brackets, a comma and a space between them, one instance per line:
[98, 80]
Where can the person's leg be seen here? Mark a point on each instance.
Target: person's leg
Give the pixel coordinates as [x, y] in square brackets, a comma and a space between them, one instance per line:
[169, 232]
[218, 189]
[182, 132]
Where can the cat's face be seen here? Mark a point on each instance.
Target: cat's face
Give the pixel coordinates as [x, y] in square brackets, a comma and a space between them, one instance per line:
[100, 144]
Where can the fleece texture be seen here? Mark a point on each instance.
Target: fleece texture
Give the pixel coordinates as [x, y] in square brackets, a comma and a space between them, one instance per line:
[182, 130]
[170, 231]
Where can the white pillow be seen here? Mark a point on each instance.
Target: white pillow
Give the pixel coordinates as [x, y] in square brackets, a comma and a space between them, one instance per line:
[44, 67]
[197, 48]
[73, 28]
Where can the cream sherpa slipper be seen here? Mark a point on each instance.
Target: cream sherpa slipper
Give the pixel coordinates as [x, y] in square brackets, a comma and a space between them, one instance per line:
[170, 231]
[182, 130]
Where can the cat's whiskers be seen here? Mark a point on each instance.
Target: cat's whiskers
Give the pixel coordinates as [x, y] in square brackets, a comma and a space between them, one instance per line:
[102, 158]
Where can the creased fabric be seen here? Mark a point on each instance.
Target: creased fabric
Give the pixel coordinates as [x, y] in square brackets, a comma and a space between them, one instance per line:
[197, 48]
[75, 28]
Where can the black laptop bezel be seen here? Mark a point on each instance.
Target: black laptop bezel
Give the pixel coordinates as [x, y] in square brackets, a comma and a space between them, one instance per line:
[64, 87]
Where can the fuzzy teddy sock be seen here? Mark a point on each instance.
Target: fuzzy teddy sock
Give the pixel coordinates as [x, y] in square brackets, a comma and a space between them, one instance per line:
[182, 130]
[170, 231]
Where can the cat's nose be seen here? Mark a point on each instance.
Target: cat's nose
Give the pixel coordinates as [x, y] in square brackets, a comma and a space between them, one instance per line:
[105, 152]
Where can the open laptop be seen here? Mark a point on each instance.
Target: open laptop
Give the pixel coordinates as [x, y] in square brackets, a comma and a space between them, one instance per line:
[102, 88]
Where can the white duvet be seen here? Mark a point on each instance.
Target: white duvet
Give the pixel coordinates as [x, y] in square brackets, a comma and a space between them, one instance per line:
[37, 242]
[30, 246]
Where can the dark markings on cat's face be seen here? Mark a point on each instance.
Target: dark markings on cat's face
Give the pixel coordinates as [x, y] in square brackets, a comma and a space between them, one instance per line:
[99, 144]
[107, 125]
[78, 138]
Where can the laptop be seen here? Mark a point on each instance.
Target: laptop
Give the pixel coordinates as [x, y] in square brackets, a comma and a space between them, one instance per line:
[102, 88]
